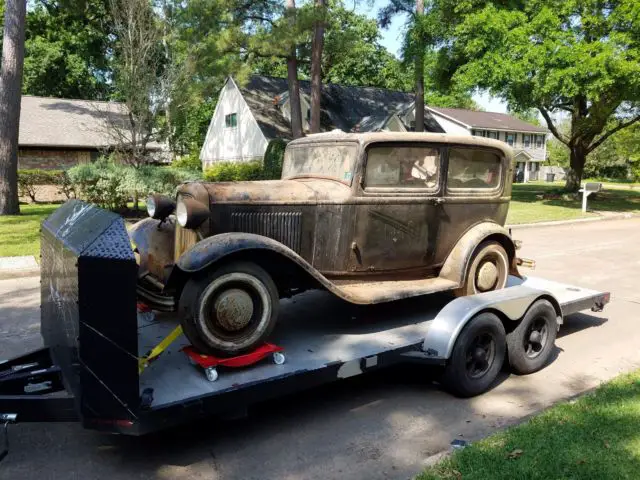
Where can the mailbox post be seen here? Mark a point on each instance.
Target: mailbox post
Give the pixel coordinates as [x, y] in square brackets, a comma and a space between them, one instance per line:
[588, 189]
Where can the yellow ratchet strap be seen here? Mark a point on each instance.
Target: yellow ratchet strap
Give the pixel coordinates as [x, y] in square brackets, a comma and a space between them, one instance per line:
[143, 362]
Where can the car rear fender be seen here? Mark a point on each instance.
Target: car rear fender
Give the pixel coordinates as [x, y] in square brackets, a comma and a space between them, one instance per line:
[457, 263]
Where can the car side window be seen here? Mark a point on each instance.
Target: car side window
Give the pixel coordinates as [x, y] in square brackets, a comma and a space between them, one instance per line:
[402, 167]
[473, 169]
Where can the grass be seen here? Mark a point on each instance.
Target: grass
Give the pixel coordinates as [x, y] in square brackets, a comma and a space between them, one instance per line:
[595, 437]
[527, 207]
[20, 234]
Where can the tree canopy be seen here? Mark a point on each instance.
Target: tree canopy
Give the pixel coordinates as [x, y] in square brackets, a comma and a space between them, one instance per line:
[576, 57]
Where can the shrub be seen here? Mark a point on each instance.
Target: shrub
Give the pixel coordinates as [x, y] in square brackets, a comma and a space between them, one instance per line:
[111, 185]
[234, 172]
[188, 162]
[29, 181]
[273, 159]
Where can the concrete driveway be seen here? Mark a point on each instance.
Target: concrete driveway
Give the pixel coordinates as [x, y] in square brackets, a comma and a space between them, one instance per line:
[385, 425]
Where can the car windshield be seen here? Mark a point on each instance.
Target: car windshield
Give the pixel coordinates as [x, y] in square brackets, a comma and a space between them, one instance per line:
[330, 161]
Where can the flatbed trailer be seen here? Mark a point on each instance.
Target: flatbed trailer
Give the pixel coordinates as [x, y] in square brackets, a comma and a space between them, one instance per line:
[90, 368]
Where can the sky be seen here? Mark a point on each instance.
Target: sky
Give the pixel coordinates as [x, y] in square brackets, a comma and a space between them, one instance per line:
[392, 40]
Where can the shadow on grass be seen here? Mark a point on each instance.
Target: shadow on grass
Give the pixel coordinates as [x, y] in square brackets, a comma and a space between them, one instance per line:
[594, 437]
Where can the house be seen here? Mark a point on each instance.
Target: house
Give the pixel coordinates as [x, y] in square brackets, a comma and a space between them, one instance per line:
[247, 117]
[57, 133]
[529, 141]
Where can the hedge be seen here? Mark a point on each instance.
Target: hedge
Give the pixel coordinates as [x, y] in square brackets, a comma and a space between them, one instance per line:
[29, 181]
[273, 158]
[112, 185]
[234, 172]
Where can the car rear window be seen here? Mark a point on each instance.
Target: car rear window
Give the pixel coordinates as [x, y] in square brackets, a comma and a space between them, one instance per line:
[473, 169]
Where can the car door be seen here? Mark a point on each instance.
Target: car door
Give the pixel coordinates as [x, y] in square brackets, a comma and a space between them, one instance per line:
[397, 202]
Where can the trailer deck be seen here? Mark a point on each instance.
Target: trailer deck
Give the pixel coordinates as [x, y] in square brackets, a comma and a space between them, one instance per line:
[318, 330]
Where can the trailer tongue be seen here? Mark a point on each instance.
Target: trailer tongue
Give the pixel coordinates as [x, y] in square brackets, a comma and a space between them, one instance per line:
[94, 338]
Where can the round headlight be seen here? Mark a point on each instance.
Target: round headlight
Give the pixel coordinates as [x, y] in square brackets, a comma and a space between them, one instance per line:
[190, 213]
[160, 206]
[181, 212]
[151, 206]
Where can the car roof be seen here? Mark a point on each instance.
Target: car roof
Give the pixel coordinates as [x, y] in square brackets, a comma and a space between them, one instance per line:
[382, 137]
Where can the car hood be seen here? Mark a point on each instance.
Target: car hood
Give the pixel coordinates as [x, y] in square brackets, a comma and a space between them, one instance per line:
[298, 191]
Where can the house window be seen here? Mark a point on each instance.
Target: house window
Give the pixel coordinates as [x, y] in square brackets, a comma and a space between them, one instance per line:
[510, 138]
[231, 120]
[308, 115]
[526, 140]
[493, 135]
[478, 133]
[539, 141]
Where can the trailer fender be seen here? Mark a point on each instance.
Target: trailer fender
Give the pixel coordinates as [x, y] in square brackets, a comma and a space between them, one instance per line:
[510, 304]
[456, 265]
[213, 249]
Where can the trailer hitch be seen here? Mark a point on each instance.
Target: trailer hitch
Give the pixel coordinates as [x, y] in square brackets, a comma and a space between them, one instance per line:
[5, 420]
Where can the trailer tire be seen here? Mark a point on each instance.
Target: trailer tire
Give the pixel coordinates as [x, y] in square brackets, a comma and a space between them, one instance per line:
[477, 356]
[530, 344]
[230, 311]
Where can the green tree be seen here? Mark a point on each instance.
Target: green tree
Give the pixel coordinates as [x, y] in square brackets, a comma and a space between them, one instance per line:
[67, 49]
[580, 57]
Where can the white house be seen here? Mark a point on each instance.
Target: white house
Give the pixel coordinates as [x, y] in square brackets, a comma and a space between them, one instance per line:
[247, 117]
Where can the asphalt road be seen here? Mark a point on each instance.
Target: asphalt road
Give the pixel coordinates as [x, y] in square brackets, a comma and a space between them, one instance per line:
[385, 425]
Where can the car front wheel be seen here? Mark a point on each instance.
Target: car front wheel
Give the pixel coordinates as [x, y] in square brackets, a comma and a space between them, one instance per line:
[231, 311]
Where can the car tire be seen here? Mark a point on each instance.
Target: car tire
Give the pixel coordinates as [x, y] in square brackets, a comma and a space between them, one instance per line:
[230, 311]
[477, 356]
[531, 343]
[488, 270]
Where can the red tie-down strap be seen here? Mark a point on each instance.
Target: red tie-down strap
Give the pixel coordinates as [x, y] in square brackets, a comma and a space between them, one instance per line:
[251, 358]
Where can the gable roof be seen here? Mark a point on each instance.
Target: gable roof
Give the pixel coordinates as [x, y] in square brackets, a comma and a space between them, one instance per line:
[487, 120]
[63, 123]
[346, 107]
[342, 107]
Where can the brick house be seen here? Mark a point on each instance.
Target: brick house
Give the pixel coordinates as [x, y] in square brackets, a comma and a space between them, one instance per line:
[57, 133]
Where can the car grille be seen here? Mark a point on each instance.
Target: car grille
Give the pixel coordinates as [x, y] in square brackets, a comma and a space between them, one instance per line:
[284, 227]
[184, 239]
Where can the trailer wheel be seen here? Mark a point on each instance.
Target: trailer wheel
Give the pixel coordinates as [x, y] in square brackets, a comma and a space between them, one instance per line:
[489, 270]
[530, 344]
[477, 356]
[230, 311]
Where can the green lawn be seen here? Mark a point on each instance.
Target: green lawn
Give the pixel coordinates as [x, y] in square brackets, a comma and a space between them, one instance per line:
[526, 207]
[20, 234]
[596, 437]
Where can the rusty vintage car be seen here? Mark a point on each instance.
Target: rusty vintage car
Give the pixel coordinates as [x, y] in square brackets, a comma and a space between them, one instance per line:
[369, 217]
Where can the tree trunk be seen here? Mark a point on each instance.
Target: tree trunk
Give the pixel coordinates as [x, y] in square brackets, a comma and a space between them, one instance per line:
[577, 159]
[292, 80]
[419, 68]
[316, 68]
[10, 97]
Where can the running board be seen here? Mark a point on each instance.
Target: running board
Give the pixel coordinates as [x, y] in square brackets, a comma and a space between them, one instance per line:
[368, 291]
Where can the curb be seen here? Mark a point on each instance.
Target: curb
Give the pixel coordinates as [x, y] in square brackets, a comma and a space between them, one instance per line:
[18, 267]
[603, 218]
[10, 274]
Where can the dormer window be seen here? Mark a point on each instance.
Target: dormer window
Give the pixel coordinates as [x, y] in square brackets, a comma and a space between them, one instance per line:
[231, 120]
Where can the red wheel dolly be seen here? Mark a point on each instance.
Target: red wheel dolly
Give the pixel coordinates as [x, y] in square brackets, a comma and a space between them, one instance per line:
[210, 363]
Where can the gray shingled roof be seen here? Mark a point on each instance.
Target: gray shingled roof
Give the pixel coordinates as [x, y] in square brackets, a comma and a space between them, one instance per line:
[489, 120]
[62, 123]
[342, 107]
